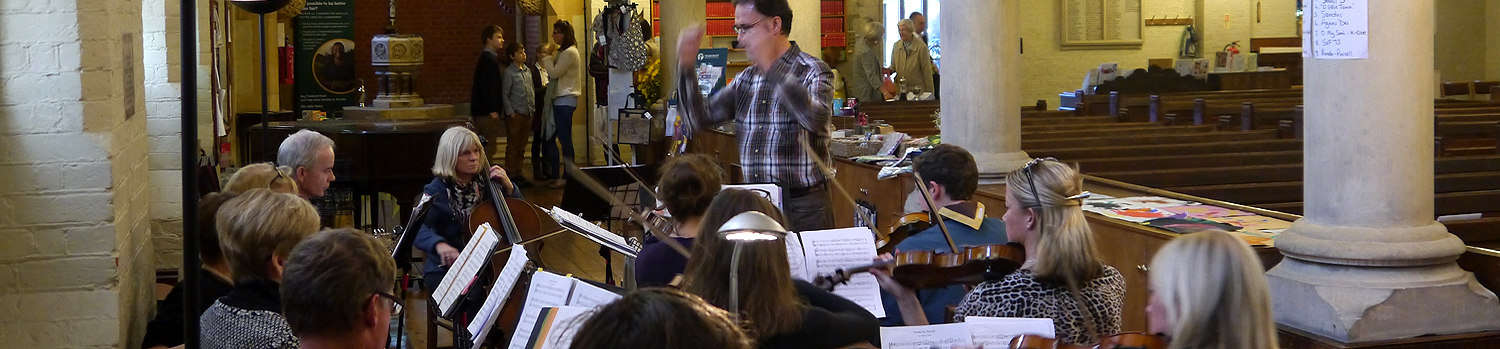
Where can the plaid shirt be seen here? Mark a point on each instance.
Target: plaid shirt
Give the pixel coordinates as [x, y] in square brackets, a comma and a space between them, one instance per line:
[775, 111]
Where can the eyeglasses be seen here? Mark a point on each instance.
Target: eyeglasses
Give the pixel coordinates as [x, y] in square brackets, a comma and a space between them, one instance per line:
[280, 174]
[742, 28]
[1031, 179]
[397, 306]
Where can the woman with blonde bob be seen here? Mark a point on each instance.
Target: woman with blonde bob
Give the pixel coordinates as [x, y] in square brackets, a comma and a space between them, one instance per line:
[461, 180]
[257, 231]
[261, 175]
[457, 186]
[1209, 291]
[1062, 279]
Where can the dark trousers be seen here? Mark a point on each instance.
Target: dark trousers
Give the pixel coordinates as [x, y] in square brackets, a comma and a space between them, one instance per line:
[807, 208]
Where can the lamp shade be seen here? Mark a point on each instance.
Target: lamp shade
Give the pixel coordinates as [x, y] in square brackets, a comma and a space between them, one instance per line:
[752, 225]
[260, 7]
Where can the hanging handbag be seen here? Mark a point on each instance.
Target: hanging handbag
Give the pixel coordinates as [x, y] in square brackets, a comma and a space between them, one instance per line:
[628, 51]
[635, 124]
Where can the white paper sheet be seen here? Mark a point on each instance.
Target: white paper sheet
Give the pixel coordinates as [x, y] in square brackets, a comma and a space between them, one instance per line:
[589, 296]
[547, 290]
[996, 332]
[480, 325]
[795, 258]
[558, 326]
[1341, 29]
[927, 336]
[466, 268]
[833, 249]
[593, 232]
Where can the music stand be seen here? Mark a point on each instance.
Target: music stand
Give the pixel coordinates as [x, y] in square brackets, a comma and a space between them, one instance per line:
[581, 201]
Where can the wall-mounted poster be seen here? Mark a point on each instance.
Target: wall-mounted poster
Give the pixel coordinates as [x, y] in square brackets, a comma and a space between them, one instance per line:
[711, 63]
[325, 57]
[1101, 22]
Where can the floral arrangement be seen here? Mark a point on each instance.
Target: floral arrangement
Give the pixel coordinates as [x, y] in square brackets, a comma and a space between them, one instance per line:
[648, 80]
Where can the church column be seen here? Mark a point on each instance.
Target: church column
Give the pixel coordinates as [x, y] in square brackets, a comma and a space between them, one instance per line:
[1368, 261]
[981, 106]
[675, 14]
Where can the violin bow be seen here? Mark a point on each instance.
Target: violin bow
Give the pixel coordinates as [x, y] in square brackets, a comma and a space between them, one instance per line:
[593, 185]
[937, 217]
[827, 172]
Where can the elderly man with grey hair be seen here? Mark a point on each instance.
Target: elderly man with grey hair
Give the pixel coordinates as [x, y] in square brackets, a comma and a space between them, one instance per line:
[308, 156]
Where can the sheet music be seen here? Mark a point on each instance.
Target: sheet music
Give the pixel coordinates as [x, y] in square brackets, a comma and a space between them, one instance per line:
[593, 232]
[557, 326]
[996, 332]
[795, 258]
[832, 249]
[547, 290]
[480, 325]
[465, 269]
[589, 296]
[927, 336]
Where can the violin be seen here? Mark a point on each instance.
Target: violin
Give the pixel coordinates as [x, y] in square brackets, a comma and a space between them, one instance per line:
[1124, 340]
[927, 269]
[906, 226]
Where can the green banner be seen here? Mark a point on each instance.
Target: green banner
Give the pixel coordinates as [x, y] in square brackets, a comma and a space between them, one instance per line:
[325, 57]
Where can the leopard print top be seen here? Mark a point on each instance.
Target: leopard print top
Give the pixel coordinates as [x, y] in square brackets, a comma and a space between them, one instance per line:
[1021, 295]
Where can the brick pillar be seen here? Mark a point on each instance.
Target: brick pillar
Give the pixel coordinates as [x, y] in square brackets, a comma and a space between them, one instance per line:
[1368, 262]
[76, 265]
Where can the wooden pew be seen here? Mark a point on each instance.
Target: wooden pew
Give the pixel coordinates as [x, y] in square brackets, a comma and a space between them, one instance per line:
[1145, 140]
[1487, 201]
[1178, 149]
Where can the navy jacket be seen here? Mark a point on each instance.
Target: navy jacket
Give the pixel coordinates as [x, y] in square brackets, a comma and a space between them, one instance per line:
[441, 225]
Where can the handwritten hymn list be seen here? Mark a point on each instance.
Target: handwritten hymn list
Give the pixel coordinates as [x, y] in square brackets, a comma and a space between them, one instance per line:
[1339, 29]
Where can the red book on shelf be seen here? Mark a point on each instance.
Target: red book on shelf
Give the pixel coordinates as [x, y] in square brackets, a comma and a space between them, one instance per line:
[833, 8]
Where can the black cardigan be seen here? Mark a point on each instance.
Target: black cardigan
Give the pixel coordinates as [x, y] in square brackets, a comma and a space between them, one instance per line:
[830, 322]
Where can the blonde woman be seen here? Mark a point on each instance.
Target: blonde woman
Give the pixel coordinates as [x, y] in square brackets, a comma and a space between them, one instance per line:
[261, 175]
[257, 232]
[1208, 291]
[457, 187]
[1062, 278]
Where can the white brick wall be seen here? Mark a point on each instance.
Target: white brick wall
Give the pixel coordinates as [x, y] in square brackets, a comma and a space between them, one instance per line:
[160, 28]
[77, 267]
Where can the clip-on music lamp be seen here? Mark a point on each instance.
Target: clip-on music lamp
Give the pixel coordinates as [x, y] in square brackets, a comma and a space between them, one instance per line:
[747, 226]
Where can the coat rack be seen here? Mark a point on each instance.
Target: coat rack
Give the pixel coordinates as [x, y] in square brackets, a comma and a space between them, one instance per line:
[1153, 21]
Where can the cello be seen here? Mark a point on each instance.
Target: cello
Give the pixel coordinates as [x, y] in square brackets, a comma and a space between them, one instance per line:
[519, 222]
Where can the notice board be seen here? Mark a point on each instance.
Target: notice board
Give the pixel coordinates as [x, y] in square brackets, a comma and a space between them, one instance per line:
[1100, 22]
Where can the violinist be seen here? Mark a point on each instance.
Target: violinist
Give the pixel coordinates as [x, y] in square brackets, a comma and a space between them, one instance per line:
[1062, 279]
[456, 189]
[1209, 291]
[952, 177]
[780, 312]
[687, 186]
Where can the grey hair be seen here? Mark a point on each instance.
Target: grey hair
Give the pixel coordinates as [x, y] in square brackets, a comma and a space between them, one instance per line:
[453, 142]
[301, 149]
[872, 31]
[906, 23]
